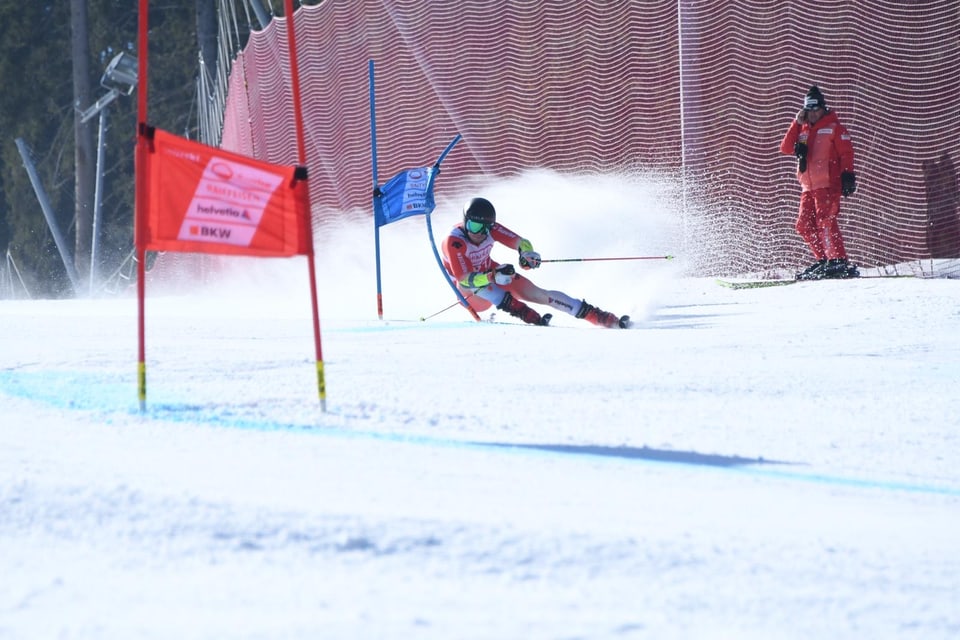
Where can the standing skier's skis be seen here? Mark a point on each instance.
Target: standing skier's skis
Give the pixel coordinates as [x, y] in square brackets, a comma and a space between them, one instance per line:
[732, 283]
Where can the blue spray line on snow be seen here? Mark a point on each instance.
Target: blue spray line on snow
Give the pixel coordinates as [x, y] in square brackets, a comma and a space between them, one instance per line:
[78, 392]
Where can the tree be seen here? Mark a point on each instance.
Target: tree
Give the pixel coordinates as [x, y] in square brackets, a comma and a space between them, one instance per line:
[35, 105]
[84, 158]
[43, 91]
[207, 32]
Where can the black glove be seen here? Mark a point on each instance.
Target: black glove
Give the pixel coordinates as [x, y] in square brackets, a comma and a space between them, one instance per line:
[800, 150]
[848, 183]
[503, 275]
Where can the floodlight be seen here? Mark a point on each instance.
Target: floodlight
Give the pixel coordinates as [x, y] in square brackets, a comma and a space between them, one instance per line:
[121, 73]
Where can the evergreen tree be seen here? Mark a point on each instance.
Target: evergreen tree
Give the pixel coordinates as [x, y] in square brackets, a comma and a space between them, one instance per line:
[38, 105]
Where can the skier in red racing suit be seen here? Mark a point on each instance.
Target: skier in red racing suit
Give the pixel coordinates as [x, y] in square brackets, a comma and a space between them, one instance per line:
[825, 170]
[486, 283]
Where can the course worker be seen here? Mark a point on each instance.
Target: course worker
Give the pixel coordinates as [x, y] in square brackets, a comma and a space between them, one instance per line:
[825, 170]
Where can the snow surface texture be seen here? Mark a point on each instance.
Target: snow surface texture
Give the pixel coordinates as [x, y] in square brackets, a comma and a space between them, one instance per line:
[769, 463]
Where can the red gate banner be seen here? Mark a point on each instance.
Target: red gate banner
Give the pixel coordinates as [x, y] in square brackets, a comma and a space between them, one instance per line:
[202, 199]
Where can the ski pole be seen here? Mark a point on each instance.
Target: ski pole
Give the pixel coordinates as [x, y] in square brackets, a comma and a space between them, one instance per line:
[604, 259]
[447, 308]
[436, 313]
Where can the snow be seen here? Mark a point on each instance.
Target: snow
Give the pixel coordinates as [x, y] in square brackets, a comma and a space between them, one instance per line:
[764, 463]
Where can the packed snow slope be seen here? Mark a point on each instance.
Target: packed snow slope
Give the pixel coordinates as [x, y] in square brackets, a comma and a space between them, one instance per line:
[765, 463]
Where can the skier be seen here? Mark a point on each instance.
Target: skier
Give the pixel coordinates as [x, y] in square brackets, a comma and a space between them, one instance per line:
[486, 283]
[825, 170]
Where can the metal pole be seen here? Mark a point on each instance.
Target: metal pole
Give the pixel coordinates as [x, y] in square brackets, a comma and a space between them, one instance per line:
[48, 214]
[377, 202]
[97, 200]
[262, 16]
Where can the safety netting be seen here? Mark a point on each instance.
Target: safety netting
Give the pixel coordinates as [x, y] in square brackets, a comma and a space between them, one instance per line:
[699, 92]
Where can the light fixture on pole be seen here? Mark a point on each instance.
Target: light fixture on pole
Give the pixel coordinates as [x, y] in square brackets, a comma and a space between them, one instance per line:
[119, 78]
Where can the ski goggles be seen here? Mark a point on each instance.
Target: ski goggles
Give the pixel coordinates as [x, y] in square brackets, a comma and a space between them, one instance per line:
[475, 226]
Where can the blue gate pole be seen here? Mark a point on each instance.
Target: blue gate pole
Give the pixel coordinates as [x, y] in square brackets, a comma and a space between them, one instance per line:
[377, 204]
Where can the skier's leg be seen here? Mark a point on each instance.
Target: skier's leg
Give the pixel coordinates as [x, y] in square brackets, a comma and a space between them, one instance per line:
[828, 212]
[807, 225]
[527, 290]
[518, 309]
[827, 204]
[474, 301]
[495, 295]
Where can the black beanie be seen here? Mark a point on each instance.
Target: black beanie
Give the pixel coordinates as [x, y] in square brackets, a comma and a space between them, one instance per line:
[814, 99]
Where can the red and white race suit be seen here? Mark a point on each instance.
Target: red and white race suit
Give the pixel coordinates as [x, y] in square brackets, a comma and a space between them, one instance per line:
[470, 266]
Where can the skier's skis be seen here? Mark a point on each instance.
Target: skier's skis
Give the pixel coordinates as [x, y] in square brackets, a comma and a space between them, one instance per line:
[759, 284]
[753, 284]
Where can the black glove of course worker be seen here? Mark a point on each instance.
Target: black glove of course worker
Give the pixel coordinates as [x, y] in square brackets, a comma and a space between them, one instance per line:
[848, 183]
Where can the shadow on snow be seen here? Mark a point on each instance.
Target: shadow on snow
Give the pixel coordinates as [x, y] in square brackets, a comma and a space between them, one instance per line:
[643, 453]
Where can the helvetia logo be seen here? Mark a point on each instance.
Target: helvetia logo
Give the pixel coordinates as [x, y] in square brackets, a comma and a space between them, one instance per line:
[226, 211]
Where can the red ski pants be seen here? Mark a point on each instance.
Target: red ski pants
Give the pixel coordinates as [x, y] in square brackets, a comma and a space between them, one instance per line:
[817, 223]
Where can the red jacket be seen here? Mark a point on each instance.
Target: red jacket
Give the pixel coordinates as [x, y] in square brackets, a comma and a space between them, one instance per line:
[463, 259]
[829, 151]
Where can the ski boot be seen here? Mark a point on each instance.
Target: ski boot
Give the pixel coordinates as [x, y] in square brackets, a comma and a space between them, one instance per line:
[601, 318]
[813, 272]
[840, 268]
[519, 310]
